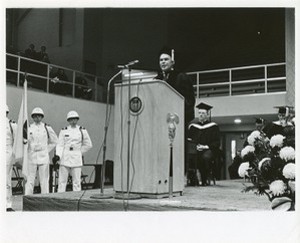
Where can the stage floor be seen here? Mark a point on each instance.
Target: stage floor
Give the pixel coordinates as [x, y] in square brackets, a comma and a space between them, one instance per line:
[225, 196]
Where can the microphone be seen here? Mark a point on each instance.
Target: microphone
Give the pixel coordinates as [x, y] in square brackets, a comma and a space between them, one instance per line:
[129, 64]
[172, 118]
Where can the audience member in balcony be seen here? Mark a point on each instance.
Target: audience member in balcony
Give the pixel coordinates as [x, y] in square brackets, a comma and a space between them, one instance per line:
[82, 90]
[11, 130]
[43, 55]
[26, 65]
[30, 52]
[283, 126]
[73, 142]
[11, 63]
[11, 49]
[204, 135]
[58, 84]
[181, 83]
[41, 140]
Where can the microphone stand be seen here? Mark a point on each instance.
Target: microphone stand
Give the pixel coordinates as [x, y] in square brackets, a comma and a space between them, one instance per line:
[102, 195]
[128, 124]
[128, 195]
[172, 119]
[171, 172]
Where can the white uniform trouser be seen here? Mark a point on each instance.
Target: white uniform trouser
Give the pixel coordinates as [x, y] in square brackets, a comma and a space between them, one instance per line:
[63, 178]
[9, 167]
[43, 177]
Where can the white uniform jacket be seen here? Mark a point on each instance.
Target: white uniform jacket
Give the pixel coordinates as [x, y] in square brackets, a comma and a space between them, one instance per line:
[41, 140]
[72, 144]
[11, 131]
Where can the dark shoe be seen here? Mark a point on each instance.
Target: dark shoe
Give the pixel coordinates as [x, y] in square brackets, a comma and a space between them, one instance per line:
[193, 182]
[9, 210]
[204, 184]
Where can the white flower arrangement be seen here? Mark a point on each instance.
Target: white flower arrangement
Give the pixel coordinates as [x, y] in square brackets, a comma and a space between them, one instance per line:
[253, 137]
[287, 153]
[270, 166]
[289, 171]
[277, 140]
[277, 187]
[292, 185]
[246, 150]
[263, 161]
[243, 169]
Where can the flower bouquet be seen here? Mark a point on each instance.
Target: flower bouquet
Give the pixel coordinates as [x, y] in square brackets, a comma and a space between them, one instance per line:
[270, 166]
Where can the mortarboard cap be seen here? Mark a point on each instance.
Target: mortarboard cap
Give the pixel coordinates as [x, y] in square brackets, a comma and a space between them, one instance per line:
[284, 109]
[259, 120]
[167, 50]
[204, 106]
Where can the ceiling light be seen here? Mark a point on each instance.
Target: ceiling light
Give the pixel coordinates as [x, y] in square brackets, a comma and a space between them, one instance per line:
[237, 121]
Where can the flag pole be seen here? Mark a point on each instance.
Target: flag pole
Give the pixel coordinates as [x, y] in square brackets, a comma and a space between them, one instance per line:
[21, 141]
[25, 130]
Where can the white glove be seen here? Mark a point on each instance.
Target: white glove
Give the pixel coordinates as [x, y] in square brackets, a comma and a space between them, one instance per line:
[201, 147]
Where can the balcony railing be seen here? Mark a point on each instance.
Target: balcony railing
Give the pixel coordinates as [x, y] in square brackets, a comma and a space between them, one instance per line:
[53, 78]
[211, 83]
[239, 80]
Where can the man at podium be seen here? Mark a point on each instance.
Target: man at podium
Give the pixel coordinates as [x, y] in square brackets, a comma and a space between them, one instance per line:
[181, 83]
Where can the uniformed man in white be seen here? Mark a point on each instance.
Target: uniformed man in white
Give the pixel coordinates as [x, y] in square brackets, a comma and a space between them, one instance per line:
[73, 142]
[11, 130]
[41, 140]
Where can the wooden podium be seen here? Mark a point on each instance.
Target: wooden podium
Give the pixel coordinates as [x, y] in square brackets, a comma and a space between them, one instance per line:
[150, 103]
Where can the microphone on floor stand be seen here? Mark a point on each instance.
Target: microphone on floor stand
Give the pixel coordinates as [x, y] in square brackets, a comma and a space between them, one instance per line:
[102, 195]
[128, 195]
[172, 120]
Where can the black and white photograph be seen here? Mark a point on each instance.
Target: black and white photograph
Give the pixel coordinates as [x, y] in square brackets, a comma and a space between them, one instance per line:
[161, 122]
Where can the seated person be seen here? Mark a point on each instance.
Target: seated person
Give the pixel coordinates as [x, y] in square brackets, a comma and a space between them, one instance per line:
[283, 126]
[205, 135]
[58, 83]
[234, 167]
[81, 89]
[30, 52]
[30, 66]
[42, 56]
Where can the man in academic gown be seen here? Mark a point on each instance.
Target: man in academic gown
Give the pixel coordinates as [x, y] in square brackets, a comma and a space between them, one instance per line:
[204, 135]
[283, 126]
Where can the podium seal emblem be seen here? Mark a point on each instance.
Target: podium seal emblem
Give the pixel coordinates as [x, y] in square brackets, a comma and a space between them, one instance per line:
[135, 105]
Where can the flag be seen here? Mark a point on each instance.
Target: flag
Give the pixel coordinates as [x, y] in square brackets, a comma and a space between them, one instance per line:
[21, 141]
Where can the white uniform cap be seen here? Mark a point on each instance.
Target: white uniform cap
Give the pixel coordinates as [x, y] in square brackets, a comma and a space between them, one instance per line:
[37, 111]
[72, 114]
